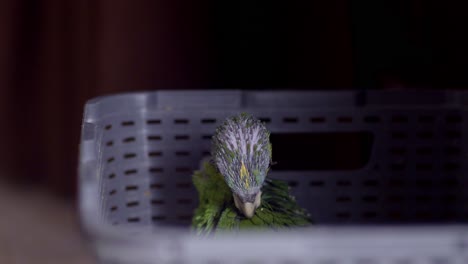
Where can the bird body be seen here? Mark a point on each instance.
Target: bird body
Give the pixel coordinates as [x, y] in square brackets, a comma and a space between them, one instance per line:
[217, 212]
[233, 190]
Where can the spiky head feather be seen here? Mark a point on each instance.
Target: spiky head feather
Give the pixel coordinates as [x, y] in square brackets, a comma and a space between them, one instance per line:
[241, 150]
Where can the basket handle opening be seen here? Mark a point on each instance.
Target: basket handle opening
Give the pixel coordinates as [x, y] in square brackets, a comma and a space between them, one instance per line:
[321, 151]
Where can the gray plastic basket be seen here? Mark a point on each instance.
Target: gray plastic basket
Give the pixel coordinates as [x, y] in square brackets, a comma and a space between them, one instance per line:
[138, 152]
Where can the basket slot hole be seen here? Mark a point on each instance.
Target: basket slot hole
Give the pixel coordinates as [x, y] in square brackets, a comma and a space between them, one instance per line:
[181, 121]
[182, 153]
[450, 182]
[399, 183]
[114, 208]
[184, 201]
[449, 198]
[290, 120]
[453, 119]
[424, 151]
[111, 176]
[157, 186]
[108, 127]
[208, 121]
[156, 170]
[317, 119]
[129, 155]
[395, 215]
[112, 192]
[183, 169]
[424, 166]
[133, 204]
[370, 198]
[131, 171]
[128, 123]
[206, 137]
[343, 215]
[110, 160]
[396, 198]
[133, 219]
[425, 134]
[453, 134]
[154, 138]
[109, 143]
[344, 119]
[157, 218]
[450, 214]
[369, 214]
[398, 151]
[343, 183]
[131, 187]
[399, 135]
[399, 119]
[181, 137]
[184, 185]
[371, 183]
[426, 119]
[373, 119]
[396, 183]
[155, 154]
[184, 217]
[128, 139]
[423, 183]
[293, 184]
[153, 121]
[206, 153]
[423, 198]
[398, 166]
[265, 120]
[424, 215]
[451, 166]
[158, 202]
[453, 150]
[343, 199]
[316, 183]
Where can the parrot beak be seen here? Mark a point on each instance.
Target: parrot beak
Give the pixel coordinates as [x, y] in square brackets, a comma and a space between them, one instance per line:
[247, 208]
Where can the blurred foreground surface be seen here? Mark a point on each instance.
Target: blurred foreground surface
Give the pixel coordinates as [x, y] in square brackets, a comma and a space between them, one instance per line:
[36, 227]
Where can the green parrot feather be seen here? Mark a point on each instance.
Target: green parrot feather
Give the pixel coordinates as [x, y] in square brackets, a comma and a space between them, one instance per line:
[217, 212]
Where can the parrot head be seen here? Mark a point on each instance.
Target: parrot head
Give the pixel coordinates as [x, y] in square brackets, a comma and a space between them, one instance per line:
[241, 150]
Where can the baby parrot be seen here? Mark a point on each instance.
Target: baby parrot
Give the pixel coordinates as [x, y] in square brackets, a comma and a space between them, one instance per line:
[233, 190]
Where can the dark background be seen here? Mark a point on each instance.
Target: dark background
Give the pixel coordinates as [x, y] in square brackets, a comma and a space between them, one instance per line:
[56, 54]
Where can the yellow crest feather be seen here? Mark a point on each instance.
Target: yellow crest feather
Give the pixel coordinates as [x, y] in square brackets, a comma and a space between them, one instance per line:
[244, 175]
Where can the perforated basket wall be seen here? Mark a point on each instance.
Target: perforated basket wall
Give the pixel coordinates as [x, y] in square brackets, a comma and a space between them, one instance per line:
[410, 167]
